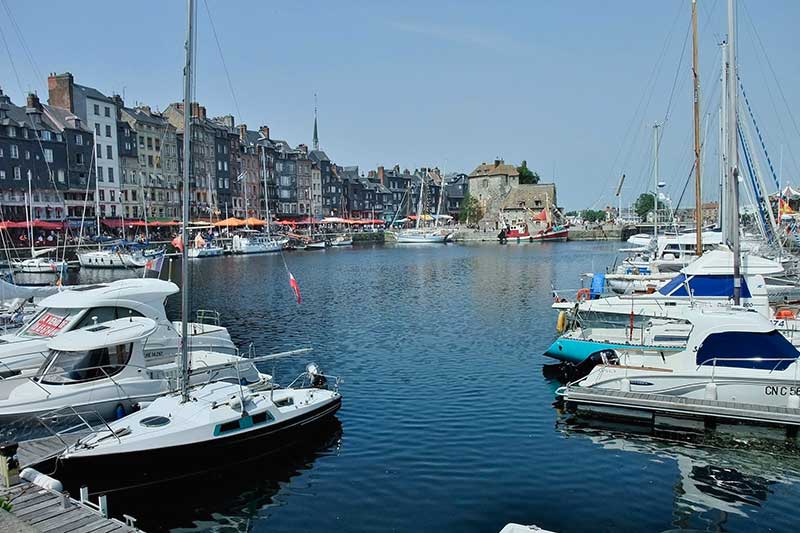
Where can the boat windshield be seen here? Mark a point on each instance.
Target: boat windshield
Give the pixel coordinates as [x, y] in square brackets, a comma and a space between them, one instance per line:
[49, 322]
[66, 367]
[705, 285]
[747, 349]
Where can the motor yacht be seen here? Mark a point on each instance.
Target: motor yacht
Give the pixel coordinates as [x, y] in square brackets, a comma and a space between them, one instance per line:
[69, 310]
[254, 243]
[107, 368]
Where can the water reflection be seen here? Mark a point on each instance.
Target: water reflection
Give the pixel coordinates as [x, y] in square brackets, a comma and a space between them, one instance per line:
[716, 480]
[230, 499]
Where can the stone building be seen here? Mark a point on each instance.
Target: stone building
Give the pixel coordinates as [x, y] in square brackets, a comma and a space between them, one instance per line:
[99, 112]
[526, 202]
[489, 183]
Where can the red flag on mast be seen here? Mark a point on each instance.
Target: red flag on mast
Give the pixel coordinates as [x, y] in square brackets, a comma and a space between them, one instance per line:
[177, 242]
[295, 288]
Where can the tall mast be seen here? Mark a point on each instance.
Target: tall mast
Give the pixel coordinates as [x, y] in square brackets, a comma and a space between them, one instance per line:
[419, 202]
[96, 190]
[733, 153]
[698, 200]
[187, 137]
[655, 179]
[723, 140]
[144, 207]
[266, 188]
[29, 213]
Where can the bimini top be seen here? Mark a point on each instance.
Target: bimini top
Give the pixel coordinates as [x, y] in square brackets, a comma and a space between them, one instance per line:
[738, 338]
[149, 291]
[719, 262]
[112, 333]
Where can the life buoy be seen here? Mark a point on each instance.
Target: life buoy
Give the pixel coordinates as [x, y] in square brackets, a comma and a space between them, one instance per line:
[783, 314]
[561, 323]
[583, 294]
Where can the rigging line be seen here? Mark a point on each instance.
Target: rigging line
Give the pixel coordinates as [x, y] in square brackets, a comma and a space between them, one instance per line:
[769, 91]
[22, 41]
[222, 58]
[651, 85]
[677, 74]
[11, 59]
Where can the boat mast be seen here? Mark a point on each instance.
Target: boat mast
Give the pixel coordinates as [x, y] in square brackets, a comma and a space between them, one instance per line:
[723, 136]
[698, 201]
[96, 190]
[656, 125]
[144, 208]
[733, 153]
[29, 213]
[441, 195]
[419, 202]
[266, 188]
[187, 135]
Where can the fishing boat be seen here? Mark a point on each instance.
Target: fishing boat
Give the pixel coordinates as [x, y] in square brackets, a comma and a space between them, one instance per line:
[69, 310]
[516, 232]
[108, 368]
[557, 233]
[216, 423]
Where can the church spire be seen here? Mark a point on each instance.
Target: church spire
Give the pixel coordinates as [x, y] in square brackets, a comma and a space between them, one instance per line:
[315, 142]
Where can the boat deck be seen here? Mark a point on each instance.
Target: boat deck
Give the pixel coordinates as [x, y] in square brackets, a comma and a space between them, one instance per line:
[38, 509]
[646, 406]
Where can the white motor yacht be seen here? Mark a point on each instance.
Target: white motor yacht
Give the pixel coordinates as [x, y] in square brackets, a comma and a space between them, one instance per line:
[254, 243]
[106, 368]
[82, 307]
[735, 355]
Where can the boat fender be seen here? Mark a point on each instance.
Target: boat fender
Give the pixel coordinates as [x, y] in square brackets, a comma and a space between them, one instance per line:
[41, 480]
[119, 411]
[711, 391]
[582, 294]
[561, 322]
[783, 314]
[625, 385]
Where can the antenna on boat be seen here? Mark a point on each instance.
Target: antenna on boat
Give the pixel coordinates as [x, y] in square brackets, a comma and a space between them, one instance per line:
[187, 130]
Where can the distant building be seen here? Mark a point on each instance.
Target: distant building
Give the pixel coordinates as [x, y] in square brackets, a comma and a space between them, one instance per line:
[456, 188]
[490, 183]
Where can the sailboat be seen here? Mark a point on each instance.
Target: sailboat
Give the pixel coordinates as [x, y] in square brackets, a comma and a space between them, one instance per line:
[214, 424]
[420, 234]
[39, 262]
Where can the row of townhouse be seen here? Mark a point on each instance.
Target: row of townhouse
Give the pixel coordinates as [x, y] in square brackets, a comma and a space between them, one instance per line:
[86, 150]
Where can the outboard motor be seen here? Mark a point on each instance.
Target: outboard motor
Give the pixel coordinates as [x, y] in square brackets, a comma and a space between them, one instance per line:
[318, 381]
[567, 372]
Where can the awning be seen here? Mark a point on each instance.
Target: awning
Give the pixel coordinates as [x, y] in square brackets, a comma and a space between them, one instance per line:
[228, 222]
[252, 221]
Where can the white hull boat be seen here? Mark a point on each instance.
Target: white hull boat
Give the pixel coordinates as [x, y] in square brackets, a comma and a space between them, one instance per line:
[206, 251]
[421, 237]
[256, 245]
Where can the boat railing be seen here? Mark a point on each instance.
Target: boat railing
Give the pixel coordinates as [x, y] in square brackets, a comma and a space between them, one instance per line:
[778, 362]
[208, 316]
[81, 416]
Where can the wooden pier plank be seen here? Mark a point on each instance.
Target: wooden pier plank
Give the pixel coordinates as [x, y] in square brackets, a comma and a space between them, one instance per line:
[66, 522]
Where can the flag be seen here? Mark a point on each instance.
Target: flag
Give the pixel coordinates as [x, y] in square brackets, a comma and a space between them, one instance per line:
[295, 288]
[152, 268]
[177, 242]
[784, 208]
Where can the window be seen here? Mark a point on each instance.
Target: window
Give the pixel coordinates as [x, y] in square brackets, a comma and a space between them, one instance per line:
[62, 367]
[113, 194]
[79, 140]
[158, 145]
[127, 132]
[149, 160]
[127, 147]
[219, 165]
[102, 195]
[48, 155]
[12, 131]
[100, 173]
[27, 154]
[61, 175]
[79, 158]
[2, 174]
[109, 154]
[108, 111]
[97, 129]
[225, 165]
[141, 141]
[99, 151]
[108, 130]
[111, 175]
[47, 136]
[14, 151]
[17, 173]
[149, 143]
[96, 109]
[1, 151]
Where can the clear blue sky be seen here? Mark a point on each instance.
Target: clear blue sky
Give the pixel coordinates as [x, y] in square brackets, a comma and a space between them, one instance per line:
[569, 86]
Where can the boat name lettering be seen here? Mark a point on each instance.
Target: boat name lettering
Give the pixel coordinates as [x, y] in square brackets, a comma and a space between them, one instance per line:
[781, 390]
[153, 354]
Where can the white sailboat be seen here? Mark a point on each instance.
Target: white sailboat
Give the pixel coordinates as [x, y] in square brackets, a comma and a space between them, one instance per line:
[215, 423]
[420, 234]
[39, 262]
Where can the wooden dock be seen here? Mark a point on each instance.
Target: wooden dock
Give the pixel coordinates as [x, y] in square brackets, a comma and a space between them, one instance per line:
[34, 451]
[38, 509]
[649, 408]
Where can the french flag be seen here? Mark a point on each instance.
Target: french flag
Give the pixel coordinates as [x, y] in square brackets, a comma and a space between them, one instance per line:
[295, 288]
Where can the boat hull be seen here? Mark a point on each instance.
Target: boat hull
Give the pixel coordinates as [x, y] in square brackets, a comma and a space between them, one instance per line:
[168, 463]
[421, 238]
[577, 350]
[198, 253]
[560, 235]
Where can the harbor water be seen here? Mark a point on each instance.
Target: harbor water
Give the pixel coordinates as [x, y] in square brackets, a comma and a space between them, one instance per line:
[448, 423]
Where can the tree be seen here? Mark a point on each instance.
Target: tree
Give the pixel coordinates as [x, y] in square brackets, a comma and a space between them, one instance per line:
[571, 213]
[593, 215]
[644, 204]
[471, 210]
[526, 175]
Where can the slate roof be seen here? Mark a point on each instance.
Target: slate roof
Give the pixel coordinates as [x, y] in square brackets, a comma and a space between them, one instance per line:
[64, 118]
[490, 169]
[90, 92]
[17, 116]
[526, 196]
[318, 155]
[140, 115]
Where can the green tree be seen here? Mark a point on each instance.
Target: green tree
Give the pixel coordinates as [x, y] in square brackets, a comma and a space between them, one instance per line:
[527, 175]
[644, 204]
[471, 210]
[593, 215]
[571, 213]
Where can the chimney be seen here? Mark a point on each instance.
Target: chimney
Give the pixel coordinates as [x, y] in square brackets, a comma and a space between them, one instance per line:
[202, 112]
[33, 102]
[397, 169]
[381, 174]
[60, 89]
[303, 148]
[498, 162]
[145, 109]
[195, 109]
[264, 131]
[242, 133]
